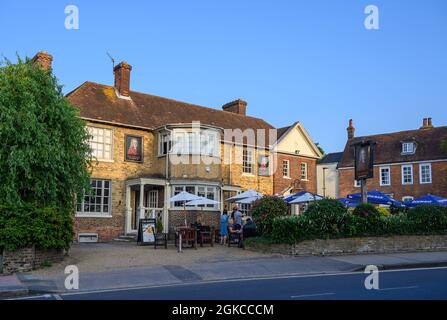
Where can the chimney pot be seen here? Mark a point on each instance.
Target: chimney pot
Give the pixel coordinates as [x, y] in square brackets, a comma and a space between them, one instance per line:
[350, 130]
[238, 106]
[122, 78]
[43, 60]
[429, 124]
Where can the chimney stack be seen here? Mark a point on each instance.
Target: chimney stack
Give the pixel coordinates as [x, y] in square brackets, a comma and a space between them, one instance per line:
[237, 106]
[43, 60]
[350, 130]
[429, 124]
[122, 78]
[424, 123]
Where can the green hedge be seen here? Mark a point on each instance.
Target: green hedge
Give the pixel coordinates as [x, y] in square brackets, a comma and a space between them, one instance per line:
[326, 220]
[26, 225]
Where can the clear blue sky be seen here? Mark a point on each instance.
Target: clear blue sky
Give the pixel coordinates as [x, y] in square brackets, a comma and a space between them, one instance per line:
[311, 61]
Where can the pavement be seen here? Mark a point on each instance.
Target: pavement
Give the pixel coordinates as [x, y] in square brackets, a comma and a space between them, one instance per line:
[205, 265]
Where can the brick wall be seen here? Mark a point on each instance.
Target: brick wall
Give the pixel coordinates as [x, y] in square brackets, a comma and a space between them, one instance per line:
[357, 245]
[280, 183]
[207, 218]
[437, 187]
[27, 259]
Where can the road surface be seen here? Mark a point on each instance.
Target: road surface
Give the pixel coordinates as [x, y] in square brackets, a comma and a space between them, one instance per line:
[428, 283]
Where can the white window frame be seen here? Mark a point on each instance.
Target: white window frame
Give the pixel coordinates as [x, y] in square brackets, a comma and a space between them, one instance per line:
[382, 183]
[357, 183]
[304, 175]
[403, 174]
[96, 214]
[201, 190]
[286, 168]
[248, 161]
[407, 198]
[204, 142]
[98, 137]
[421, 176]
[408, 148]
[161, 139]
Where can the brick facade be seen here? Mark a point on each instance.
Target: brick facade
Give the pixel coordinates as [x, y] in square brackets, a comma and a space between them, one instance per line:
[281, 183]
[397, 189]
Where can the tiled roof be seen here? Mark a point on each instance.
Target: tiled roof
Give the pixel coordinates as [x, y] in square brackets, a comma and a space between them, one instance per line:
[389, 146]
[99, 102]
[331, 158]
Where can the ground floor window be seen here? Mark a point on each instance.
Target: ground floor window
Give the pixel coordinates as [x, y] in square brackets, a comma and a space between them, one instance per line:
[210, 192]
[244, 208]
[97, 201]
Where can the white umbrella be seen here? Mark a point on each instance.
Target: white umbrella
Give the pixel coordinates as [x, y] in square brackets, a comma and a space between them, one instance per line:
[244, 195]
[184, 197]
[248, 200]
[201, 202]
[307, 197]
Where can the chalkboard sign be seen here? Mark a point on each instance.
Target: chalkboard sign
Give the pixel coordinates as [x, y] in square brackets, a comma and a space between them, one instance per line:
[146, 230]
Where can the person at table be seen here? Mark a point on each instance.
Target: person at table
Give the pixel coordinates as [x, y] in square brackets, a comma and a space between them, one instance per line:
[224, 227]
[237, 219]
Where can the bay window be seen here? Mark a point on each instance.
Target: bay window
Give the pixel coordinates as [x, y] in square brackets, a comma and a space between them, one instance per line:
[206, 191]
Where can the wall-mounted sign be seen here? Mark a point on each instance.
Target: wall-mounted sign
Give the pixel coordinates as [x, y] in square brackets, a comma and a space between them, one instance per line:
[146, 231]
[263, 165]
[134, 148]
[364, 160]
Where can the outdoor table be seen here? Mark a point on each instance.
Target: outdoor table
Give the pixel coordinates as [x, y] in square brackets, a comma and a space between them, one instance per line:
[181, 232]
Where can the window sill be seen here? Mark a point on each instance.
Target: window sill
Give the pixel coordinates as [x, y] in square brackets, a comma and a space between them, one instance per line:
[305, 180]
[248, 175]
[426, 182]
[288, 178]
[193, 209]
[104, 160]
[385, 185]
[83, 215]
[407, 184]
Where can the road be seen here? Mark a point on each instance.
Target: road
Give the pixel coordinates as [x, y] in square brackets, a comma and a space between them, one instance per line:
[428, 283]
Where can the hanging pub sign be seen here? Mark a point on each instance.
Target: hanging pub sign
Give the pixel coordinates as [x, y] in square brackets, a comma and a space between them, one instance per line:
[146, 229]
[263, 165]
[364, 159]
[134, 148]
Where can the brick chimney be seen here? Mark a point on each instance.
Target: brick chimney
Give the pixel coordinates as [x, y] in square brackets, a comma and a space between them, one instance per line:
[122, 78]
[237, 106]
[350, 130]
[424, 123]
[429, 123]
[43, 59]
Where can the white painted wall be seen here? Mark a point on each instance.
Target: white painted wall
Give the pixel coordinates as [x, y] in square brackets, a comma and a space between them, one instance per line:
[331, 177]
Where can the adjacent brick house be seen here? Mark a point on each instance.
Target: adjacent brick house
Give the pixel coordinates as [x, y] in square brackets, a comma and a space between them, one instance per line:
[407, 164]
[297, 156]
[148, 148]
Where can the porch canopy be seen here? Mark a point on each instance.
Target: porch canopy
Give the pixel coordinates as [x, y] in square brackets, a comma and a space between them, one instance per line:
[248, 196]
[375, 197]
[427, 199]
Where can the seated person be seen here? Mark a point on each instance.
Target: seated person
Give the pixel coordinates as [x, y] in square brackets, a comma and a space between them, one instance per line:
[234, 227]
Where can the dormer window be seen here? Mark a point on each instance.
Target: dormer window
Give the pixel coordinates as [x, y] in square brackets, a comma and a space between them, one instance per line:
[408, 147]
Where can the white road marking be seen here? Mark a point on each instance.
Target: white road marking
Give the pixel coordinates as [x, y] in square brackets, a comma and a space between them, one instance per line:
[399, 288]
[312, 295]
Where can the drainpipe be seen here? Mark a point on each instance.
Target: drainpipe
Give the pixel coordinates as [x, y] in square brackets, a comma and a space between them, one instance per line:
[167, 186]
